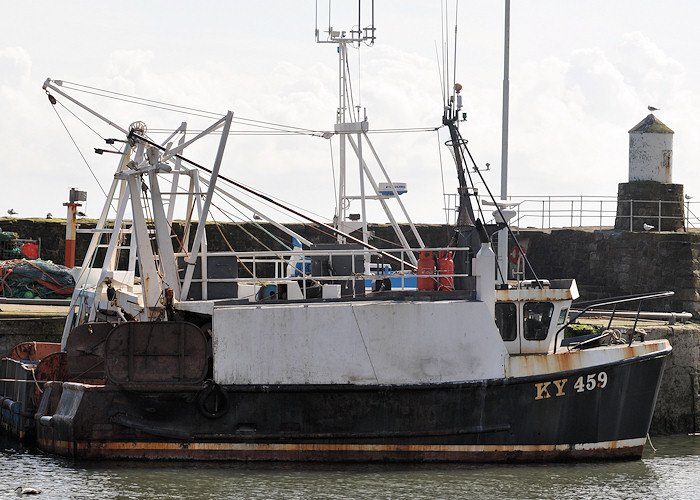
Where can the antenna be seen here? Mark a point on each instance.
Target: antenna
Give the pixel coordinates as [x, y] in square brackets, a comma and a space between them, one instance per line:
[355, 35]
[351, 128]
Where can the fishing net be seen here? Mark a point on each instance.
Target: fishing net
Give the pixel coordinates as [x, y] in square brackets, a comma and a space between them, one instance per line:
[34, 279]
[8, 248]
[11, 247]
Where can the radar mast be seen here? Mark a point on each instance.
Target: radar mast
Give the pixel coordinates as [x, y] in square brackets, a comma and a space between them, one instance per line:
[351, 127]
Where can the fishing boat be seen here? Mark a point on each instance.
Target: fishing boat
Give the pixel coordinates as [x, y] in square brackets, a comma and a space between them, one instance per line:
[173, 351]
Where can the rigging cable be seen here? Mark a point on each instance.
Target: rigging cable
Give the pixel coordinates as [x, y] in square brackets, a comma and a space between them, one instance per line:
[335, 194]
[319, 134]
[446, 207]
[281, 205]
[454, 71]
[256, 223]
[88, 126]
[510, 231]
[231, 248]
[359, 73]
[299, 220]
[442, 84]
[280, 257]
[272, 128]
[76, 147]
[177, 108]
[445, 52]
[348, 87]
[184, 108]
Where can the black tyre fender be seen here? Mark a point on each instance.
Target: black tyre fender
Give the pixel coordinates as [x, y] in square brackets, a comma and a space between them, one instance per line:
[213, 401]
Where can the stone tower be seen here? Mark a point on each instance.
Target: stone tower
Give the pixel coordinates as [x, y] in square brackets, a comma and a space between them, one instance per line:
[649, 197]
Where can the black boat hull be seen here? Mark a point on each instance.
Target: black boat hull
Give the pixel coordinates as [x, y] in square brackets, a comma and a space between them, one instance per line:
[597, 413]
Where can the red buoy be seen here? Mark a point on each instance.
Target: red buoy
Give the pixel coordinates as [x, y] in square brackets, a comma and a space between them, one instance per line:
[30, 251]
[446, 270]
[426, 267]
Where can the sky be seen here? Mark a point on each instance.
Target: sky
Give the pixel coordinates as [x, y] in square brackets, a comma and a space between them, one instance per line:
[581, 76]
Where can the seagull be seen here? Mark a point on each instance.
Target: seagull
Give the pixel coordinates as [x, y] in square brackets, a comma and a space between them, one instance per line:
[12, 211]
[647, 227]
[26, 491]
[652, 108]
[80, 214]
[49, 216]
[688, 197]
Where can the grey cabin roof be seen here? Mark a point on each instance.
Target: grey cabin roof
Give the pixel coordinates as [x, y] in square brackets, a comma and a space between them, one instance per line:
[651, 125]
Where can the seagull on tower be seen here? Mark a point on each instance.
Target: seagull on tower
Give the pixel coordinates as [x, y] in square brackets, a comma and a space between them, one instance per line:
[652, 108]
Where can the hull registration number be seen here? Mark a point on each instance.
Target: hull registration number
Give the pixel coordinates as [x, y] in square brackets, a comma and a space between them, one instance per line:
[557, 388]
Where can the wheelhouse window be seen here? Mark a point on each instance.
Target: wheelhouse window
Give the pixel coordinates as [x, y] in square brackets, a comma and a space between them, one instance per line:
[536, 319]
[506, 320]
[562, 316]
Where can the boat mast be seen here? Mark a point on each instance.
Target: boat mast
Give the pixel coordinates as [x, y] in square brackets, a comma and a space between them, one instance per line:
[352, 127]
[348, 123]
[465, 236]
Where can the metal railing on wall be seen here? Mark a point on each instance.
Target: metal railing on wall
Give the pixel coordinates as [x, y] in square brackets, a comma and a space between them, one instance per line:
[547, 212]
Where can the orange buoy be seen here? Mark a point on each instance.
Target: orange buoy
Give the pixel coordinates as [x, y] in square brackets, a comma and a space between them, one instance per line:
[426, 267]
[446, 270]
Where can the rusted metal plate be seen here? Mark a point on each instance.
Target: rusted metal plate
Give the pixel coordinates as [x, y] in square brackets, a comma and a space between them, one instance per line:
[156, 353]
[85, 349]
[50, 368]
[34, 351]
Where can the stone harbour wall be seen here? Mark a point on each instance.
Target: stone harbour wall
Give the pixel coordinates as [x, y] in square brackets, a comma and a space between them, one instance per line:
[613, 263]
[14, 331]
[678, 404]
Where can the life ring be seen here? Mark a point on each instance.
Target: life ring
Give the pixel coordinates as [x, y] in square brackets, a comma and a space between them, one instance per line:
[266, 293]
[516, 254]
[213, 400]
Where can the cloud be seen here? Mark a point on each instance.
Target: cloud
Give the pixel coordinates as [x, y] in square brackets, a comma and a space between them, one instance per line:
[646, 66]
[15, 64]
[571, 113]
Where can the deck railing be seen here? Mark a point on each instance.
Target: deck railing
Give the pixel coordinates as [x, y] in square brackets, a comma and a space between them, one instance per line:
[547, 212]
[258, 267]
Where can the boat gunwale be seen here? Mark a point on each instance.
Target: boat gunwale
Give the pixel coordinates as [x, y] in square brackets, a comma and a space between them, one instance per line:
[267, 388]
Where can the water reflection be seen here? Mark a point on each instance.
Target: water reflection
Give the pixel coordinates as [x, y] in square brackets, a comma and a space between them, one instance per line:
[670, 473]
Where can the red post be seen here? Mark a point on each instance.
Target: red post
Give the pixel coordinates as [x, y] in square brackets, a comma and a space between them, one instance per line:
[71, 231]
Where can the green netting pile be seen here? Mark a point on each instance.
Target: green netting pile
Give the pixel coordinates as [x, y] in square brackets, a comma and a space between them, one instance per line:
[34, 279]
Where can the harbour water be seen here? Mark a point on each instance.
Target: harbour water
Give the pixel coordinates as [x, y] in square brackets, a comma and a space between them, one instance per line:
[672, 472]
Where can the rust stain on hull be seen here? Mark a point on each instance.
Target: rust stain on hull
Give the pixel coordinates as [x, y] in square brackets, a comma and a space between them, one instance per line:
[629, 449]
[564, 361]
